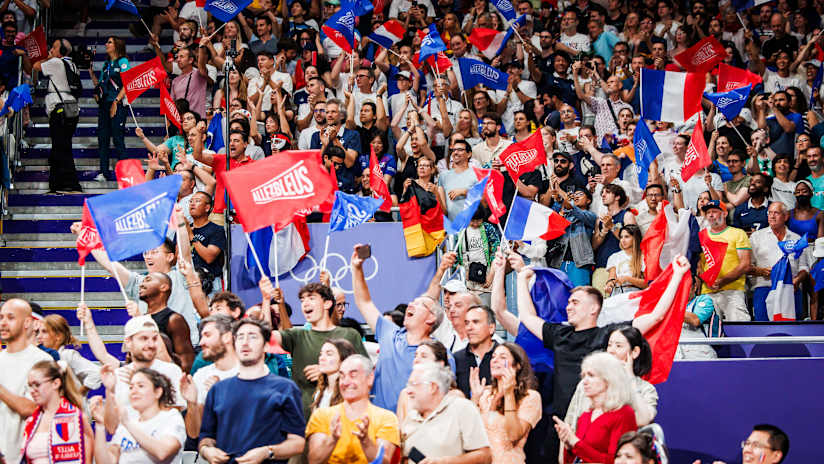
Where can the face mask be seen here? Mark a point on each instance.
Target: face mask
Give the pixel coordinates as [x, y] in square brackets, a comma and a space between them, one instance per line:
[803, 200]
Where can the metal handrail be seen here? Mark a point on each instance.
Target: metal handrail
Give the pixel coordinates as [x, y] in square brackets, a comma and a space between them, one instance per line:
[751, 340]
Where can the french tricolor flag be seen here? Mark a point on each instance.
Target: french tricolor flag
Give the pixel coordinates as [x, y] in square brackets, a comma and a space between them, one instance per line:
[670, 96]
[488, 41]
[529, 220]
[390, 33]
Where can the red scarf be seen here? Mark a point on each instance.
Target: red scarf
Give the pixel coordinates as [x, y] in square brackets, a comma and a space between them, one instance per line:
[66, 438]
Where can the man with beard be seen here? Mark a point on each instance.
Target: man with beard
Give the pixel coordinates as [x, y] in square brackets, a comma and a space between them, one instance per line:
[783, 124]
[816, 163]
[141, 339]
[217, 347]
[256, 415]
[154, 290]
[15, 363]
[728, 291]
[752, 214]
[318, 123]
[564, 176]
[454, 184]
[653, 195]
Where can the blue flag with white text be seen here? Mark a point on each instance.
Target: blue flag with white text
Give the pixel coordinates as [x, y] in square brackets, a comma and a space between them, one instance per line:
[431, 44]
[125, 5]
[729, 103]
[226, 10]
[471, 202]
[18, 98]
[133, 220]
[340, 28]
[474, 72]
[645, 151]
[505, 8]
[359, 7]
[350, 211]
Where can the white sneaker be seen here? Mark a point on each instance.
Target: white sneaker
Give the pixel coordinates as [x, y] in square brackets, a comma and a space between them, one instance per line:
[100, 178]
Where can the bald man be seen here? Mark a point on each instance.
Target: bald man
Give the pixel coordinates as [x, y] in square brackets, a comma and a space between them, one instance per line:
[15, 363]
[154, 290]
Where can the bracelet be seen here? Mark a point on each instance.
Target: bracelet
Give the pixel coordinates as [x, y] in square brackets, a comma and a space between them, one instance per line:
[192, 284]
[510, 410]
[676, 190]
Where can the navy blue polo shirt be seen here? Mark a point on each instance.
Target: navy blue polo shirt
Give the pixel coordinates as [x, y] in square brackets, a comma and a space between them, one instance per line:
[749, 218]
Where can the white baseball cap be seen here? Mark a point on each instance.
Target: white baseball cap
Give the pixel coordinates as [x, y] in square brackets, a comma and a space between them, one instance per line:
[139, 324]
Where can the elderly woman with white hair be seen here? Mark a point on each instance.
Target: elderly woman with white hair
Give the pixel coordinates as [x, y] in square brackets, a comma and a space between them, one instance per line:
[608, 389]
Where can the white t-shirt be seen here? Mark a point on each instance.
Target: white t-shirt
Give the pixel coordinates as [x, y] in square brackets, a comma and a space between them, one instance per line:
[166, 423]
[396, 103]
[256, 83]
[57, 73]
[15, 368]
[773, 82]
[168, 369]
[620, 260]
[305, 137]
[579, 42]
[404, 6]
[783, 192]
[204, 373]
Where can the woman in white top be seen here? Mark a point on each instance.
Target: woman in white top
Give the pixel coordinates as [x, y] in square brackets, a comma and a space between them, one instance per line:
[153, 433]
[626, 267]
[331, 354]
[56, 334]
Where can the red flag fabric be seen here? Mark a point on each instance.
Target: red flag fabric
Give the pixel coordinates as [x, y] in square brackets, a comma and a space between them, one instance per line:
[377, 184]
[697, 157]
[523, 157]
[714, 253]
[87, 239]
[703, 56]
[35, 45]
[270, 191]
[200, 3]
[142, 78]
[653, 243]
[129, 172]
[663, 337]
[168, 107]
[493, 193]
[443, 61]
[730, 77]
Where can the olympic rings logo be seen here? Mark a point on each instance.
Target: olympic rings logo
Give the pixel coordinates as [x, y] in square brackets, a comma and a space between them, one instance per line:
[338, 267]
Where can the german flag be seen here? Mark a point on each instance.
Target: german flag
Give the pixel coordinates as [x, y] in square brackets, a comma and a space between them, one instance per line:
[422, 222]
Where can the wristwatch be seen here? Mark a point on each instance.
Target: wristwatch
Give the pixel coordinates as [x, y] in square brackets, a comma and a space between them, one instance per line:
[271, 454]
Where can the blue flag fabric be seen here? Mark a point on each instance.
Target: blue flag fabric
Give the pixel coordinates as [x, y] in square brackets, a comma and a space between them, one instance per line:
[471, 202]
[359, 7]
[729, 103]
[795, 247]
[341, 25]
[819, 76]
[350, 211]
[474, 72]
[226, 10]
[722, 171]
[125, 5]
[19, 97]
[505, 8]
[135, 219]
[431, 44]
[550, 294]
[818, 275]
[214, 133]
[645, 151]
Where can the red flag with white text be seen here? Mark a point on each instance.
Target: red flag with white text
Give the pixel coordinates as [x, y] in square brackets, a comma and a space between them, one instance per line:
[270, 191]
[87, 239]
[493, 193]
[714, 253]
[142, 78]
[377, 184]
[168, 107]
[703, 56]
[697, 156]
[730, 77]
[129, 172]
[35, 45]
[523, 157]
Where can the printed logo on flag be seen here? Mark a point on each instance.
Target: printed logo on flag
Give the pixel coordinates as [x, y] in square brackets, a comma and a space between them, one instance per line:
[731, 85]
[427, 40]
[145, 79]
[224, 5]
[708, 257]
[503, 5]
[292, 184]
[491, 197]
[171, 108]
[521, 158]
[355, 216]
[723, 102]
[347, 20]
[704, 54]
[641, 146]
[134, 221]
[88, 236]
[692, 155]
[485, 71]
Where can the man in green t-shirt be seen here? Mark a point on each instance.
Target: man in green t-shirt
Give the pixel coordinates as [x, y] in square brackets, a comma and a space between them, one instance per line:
[318, 304]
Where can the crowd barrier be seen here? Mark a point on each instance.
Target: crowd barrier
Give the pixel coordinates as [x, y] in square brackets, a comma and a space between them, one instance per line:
[392, 276]
[773, 329]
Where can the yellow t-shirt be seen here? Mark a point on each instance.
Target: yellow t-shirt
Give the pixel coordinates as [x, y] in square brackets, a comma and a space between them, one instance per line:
[736, 240]
[383, 424]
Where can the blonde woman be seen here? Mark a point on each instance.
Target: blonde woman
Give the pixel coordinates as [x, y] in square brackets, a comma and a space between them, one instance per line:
[56, 334]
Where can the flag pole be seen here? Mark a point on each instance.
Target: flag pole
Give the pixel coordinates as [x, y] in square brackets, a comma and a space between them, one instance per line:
[216, 31]
[166, 125]
[277, 270]
[254, 253]
[739, 134]
[352, 63]
[82, 292]
[120, 285]
[148, 29]
[133, 116]
[325, 251]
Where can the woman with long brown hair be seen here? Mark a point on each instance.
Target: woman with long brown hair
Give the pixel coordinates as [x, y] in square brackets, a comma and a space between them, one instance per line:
[56, 334]
[626, 267]
[510, 406]
[58, 431]
[331, 354]
[111, 117]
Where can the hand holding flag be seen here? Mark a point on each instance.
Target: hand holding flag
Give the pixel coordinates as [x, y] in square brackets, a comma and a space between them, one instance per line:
[697, 156]
[731, 102]
[377, 183]
[646, 150]
[493, 192]
[471, 202]
[523, 157]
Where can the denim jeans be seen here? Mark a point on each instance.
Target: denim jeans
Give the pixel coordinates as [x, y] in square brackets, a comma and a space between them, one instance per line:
[111, 129]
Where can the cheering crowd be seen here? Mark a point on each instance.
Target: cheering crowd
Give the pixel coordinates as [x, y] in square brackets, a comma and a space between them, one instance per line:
[726, 170]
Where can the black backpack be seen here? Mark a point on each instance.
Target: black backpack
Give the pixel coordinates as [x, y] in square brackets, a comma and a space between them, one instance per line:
[73, 79]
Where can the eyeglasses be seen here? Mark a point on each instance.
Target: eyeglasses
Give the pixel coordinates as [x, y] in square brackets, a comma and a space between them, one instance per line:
[457, 149]
[755, 444]
[320, 110]
[363, 76]
[560, 161]
[36, 385]
[345, 304]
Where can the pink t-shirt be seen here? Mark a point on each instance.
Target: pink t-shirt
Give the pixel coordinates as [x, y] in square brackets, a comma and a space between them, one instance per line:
[196, 94]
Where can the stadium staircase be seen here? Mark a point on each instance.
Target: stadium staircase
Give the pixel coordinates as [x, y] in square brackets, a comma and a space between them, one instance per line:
[38, 261]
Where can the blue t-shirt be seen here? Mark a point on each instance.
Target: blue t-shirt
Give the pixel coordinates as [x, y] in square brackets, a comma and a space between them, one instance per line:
[750, 219]
[242, 414]
[110, 77]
